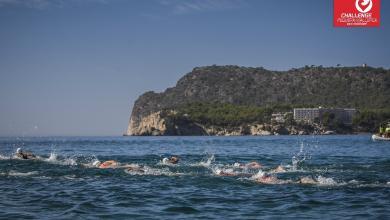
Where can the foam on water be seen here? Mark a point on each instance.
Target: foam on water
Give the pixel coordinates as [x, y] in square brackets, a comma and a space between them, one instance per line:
[326, 181]
[53, 158]
[207, 162]
[15, 173]
[2, 157]
[259, 174]
[149, 171]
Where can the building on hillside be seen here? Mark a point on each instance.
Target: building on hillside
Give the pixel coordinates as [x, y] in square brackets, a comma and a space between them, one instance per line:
[345, 115]
[278, 117]
[306, 114]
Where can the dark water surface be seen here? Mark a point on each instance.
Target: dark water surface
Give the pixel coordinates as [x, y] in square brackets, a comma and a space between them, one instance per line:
[351, 173]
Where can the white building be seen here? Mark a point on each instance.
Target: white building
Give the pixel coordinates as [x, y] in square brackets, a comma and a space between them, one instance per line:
[345, 115]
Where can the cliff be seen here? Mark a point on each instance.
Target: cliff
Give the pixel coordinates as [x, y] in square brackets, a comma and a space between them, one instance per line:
[358, 87]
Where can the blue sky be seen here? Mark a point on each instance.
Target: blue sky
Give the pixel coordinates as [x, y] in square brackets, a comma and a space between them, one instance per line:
[75, 67]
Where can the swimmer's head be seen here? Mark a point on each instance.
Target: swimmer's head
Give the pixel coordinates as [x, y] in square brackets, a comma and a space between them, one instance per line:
[174, 160]
[19, 150]
[165, 160]
[96, 163]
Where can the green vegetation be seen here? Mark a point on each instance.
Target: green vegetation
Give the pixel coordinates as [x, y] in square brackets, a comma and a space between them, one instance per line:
[225, 114]
[229, 115]
[330, 122]
[370, 120]
[228, 96]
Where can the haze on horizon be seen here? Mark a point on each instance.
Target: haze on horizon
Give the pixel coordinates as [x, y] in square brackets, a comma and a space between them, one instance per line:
[76, 67]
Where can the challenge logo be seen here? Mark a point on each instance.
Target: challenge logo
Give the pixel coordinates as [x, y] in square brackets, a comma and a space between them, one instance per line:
[356, 13]
[363, 3]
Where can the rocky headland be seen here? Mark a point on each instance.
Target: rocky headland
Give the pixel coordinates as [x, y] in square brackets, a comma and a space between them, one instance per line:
[233, 100]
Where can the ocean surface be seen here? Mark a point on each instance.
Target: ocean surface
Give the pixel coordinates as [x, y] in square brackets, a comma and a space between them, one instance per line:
[350, 178]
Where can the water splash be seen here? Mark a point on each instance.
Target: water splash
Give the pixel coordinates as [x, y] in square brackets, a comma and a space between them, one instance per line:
[2, 157]
[53, 158]
[258, 175]
[299, 158]
[326, 181]
[206, 162]
[149, 171]
[15, 173]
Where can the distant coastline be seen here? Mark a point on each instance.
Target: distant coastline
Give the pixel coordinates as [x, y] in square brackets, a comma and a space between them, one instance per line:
[236, 101]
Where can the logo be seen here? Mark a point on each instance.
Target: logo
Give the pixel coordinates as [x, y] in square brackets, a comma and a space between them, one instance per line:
[356, 13]
[360, 4]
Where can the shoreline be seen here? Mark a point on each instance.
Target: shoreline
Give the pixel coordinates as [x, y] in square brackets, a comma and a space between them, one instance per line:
[350, 134]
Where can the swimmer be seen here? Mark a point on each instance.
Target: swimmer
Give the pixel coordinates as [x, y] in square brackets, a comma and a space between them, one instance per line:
[253, 165]
[279, 169]
[307, 180]
[228, 172]
[267, 179]
[171, 160]
[105, 164]
[239, 165]
[111, 164]
[24, 154]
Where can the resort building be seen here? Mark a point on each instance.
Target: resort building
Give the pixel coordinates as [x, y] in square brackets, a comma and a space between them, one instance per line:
[345, 115]
[306, 114]
[278, 117]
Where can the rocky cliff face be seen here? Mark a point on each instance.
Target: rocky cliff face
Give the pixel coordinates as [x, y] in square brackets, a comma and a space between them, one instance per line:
[152, 124]
[338, 87]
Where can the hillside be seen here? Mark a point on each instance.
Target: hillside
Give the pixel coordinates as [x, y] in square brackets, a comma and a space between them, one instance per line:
[358, 87]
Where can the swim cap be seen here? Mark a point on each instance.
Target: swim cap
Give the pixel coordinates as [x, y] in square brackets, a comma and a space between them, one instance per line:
[165, 160]
[19, 150]
[236, 164]
[96, 163]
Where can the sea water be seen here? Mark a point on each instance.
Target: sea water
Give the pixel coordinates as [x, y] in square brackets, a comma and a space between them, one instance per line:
[351, 178]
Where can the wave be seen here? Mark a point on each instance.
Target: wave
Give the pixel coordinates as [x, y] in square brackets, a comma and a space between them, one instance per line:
[149, 171]
[2, 157]
[15, 173]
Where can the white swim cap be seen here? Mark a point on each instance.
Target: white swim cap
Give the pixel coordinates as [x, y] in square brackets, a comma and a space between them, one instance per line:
[236, 164]
[19, 150]
[96, 163]
[165, 160]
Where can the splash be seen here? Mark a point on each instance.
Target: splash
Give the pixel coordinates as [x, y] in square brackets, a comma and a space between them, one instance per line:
[206, 162]
[326, 181]
[53, 158]
[149, 171]
[220, 171]
[15, 173]
[299, 158]
[258, 175]
[2, 157]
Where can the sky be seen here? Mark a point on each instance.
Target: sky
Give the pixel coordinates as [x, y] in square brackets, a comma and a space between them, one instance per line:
[75, 67]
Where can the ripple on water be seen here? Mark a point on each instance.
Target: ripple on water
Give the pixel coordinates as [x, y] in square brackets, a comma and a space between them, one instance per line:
[64, 184]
